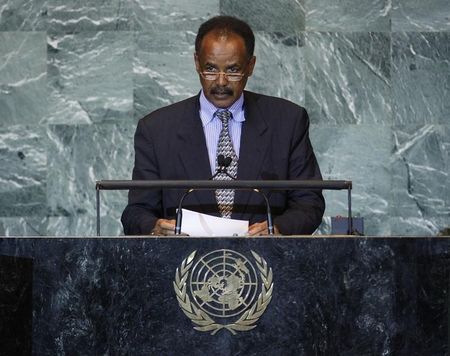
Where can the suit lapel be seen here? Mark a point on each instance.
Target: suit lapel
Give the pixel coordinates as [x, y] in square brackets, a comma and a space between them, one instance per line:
[254, 145]
[193, 153]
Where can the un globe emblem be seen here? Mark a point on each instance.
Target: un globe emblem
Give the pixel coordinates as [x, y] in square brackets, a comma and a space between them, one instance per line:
[223, 283]
[220, 290]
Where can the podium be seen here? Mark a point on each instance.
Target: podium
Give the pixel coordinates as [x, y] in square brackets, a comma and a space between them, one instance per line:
[330, 295]
[16, 278]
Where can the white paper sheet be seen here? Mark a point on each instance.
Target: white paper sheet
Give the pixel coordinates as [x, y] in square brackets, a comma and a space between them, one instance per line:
[197, 224]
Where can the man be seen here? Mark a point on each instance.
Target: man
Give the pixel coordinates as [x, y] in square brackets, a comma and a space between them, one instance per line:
[265, 138]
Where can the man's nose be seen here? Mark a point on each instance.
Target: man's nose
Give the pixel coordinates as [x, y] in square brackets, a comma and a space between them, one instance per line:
[222, 79]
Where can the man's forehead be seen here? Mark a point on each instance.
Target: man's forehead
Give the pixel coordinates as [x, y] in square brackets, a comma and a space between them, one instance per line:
[225, 41]
[222, 35]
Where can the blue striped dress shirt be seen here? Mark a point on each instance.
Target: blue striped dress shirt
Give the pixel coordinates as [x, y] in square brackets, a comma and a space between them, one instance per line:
[212, 126]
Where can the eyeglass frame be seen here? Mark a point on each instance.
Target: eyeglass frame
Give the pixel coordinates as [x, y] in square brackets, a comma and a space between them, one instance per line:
[231, 77]
[227, 75]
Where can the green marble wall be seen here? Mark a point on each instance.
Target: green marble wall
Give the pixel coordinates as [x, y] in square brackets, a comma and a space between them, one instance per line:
[75, 76]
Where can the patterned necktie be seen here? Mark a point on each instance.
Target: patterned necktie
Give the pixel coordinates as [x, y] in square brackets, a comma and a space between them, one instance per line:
[225, 197]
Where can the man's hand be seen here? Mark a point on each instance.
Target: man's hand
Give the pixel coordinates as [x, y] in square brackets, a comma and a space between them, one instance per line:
[164, 227]
[261, 229]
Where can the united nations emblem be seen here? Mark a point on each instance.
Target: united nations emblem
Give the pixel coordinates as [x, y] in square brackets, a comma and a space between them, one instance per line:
[220, 290]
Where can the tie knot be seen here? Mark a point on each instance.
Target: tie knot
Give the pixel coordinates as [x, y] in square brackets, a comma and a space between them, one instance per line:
[224, 116]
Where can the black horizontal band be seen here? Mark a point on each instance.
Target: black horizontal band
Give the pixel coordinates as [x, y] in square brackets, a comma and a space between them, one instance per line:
[224, 184]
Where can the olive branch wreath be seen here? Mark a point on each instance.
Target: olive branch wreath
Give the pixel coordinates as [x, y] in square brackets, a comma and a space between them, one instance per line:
[203, 321]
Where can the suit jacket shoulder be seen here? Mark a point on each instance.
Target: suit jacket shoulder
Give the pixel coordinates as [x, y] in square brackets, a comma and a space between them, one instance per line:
[170, 115]
[270, 102]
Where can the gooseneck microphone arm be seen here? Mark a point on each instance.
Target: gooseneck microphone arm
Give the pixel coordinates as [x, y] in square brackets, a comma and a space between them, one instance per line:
[180, 212]
[222, 163]
[269, 214]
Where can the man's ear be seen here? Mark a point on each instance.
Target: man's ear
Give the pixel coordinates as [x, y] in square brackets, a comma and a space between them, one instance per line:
[197, 63]
[251, 65]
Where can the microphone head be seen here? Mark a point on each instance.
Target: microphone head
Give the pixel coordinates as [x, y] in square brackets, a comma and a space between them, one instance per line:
[227, 161]
[221, 161]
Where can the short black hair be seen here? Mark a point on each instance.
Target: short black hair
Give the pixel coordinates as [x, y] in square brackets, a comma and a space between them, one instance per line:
[227, 24]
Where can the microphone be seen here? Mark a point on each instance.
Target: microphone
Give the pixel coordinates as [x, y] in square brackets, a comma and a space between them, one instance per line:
[220, 161]
[227, 162]
[223, 163]
[180, 212]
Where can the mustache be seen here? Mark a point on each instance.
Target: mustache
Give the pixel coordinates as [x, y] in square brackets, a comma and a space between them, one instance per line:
[221, 91]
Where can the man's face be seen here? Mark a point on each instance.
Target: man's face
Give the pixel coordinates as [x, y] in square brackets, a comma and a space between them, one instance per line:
[225, 54]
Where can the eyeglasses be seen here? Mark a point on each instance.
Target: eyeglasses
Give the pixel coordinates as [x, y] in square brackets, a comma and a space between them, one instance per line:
[231, 77]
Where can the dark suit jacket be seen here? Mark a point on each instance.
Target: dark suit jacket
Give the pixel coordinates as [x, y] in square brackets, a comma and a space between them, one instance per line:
[170, 144]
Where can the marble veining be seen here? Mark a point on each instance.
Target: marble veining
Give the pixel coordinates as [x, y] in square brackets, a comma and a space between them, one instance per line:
[86, 224]
[288, 16]
[421, 77]
[161, 16]
[348, 16]
[89, 15]
[23, 77]
[164, 71]
[338, 158]
[90, 77]
[23, 15]
[348, 78]
[420, 175]
[76, 76]
[417, 15]
[23, 226]
[80, 155]
[279, 69]
[23, 175]
[61, 16]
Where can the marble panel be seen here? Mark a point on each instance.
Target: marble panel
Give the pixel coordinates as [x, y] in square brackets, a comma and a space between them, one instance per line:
[156, 15]
[79, 156]
[23, 226]
[23, 77]
[279, 69]
[23, 173]
[286, 16]
[419, 15]
[164, 70]
[360, 154]
[74, 225]
[86, 225]
[421, 78]
[420, 176]
[348, 78]
[23, 15]
[89, 15]
[90, 77]
[362, 15]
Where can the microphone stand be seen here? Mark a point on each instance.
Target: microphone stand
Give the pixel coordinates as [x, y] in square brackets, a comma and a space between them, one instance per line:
[270, 227]
[180, 212]
[223, 163]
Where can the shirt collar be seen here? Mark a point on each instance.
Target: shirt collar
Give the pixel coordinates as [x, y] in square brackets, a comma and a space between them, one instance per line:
[207, 109]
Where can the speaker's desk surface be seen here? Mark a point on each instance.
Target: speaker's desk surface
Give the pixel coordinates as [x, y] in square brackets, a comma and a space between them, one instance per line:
[330, 296]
